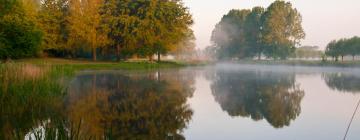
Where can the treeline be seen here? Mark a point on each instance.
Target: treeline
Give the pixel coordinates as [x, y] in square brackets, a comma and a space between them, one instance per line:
[109, 29]
[308, 52]
[343, 47]
[272, 32]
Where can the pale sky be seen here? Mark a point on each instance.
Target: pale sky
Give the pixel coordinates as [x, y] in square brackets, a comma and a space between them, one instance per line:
[323, 20]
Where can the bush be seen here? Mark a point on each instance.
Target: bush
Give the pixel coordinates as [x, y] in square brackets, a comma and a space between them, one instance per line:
[19, 37]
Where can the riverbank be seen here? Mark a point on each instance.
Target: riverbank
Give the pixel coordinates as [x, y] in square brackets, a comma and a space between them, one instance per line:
[104, 65]
[301, 63]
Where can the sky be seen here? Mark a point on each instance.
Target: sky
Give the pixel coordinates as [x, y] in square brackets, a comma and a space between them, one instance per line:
[323, 20]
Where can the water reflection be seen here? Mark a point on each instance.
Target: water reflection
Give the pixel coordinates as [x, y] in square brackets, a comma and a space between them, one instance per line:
[105, 105]
[141, 107]
[260, 95]
[343, 82]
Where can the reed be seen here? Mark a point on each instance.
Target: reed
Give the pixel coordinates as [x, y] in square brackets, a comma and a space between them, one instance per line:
[29, 94]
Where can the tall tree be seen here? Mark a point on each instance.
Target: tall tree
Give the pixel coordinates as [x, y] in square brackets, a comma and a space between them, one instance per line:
[85, 24]
[52, 19]
[331, 50]
[254, 26]
[166, 23]
[282, 29]
[122, 20]
[230, 35]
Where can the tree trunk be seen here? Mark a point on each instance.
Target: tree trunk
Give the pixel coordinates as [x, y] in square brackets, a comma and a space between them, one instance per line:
[118, 52]
[150, 58]
[94, 53]
[158, 55]
[342, 58]
[353, 57]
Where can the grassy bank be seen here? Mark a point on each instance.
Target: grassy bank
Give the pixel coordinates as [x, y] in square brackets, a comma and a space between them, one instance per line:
[302, 63]
[85, 64]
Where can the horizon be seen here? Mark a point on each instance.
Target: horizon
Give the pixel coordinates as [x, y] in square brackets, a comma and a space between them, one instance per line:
[341, 17]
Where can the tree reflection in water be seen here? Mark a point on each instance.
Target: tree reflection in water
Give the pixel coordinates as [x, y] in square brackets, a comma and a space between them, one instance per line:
[139, 107]
[108, 105]
[343, 82]
[259, 95]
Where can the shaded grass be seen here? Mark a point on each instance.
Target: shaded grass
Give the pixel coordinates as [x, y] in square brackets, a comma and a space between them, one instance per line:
[85, 65]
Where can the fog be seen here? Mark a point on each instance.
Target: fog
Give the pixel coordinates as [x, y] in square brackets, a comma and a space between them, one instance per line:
[323, 20]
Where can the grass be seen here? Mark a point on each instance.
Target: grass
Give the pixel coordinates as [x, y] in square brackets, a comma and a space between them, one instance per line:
[303, 63]
[84, 64]
[28, 93]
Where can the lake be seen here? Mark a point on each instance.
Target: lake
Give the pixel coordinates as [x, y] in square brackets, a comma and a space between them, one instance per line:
[224, 101]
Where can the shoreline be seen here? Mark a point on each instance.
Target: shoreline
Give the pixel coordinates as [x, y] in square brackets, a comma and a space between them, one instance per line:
[80, 64]
[312, 63]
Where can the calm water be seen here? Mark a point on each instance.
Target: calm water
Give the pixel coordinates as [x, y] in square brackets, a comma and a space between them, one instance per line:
[226, 101]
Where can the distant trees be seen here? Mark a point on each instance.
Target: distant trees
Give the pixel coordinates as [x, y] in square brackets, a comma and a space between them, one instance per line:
[273, 32]
[343, 47]
[308, 52]
[99, 27]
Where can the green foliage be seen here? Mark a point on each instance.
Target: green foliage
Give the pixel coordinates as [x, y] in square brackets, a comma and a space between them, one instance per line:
[230, 36]
[343, 47]
[51, 18]
[134, 31]
[282, 29]
[19, 35]
[274, 32]
[72, 28]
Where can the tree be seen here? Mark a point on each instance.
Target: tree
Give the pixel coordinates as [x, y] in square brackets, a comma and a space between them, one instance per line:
[19, 35]
[122, 20]
[166, 24]
[331, 50]
[282, 29]
[353, 46]
[52, 20]
[343, 47]
[146, 27]
[274, 32]
[254, 26]
[85, 24]
[229, 35]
